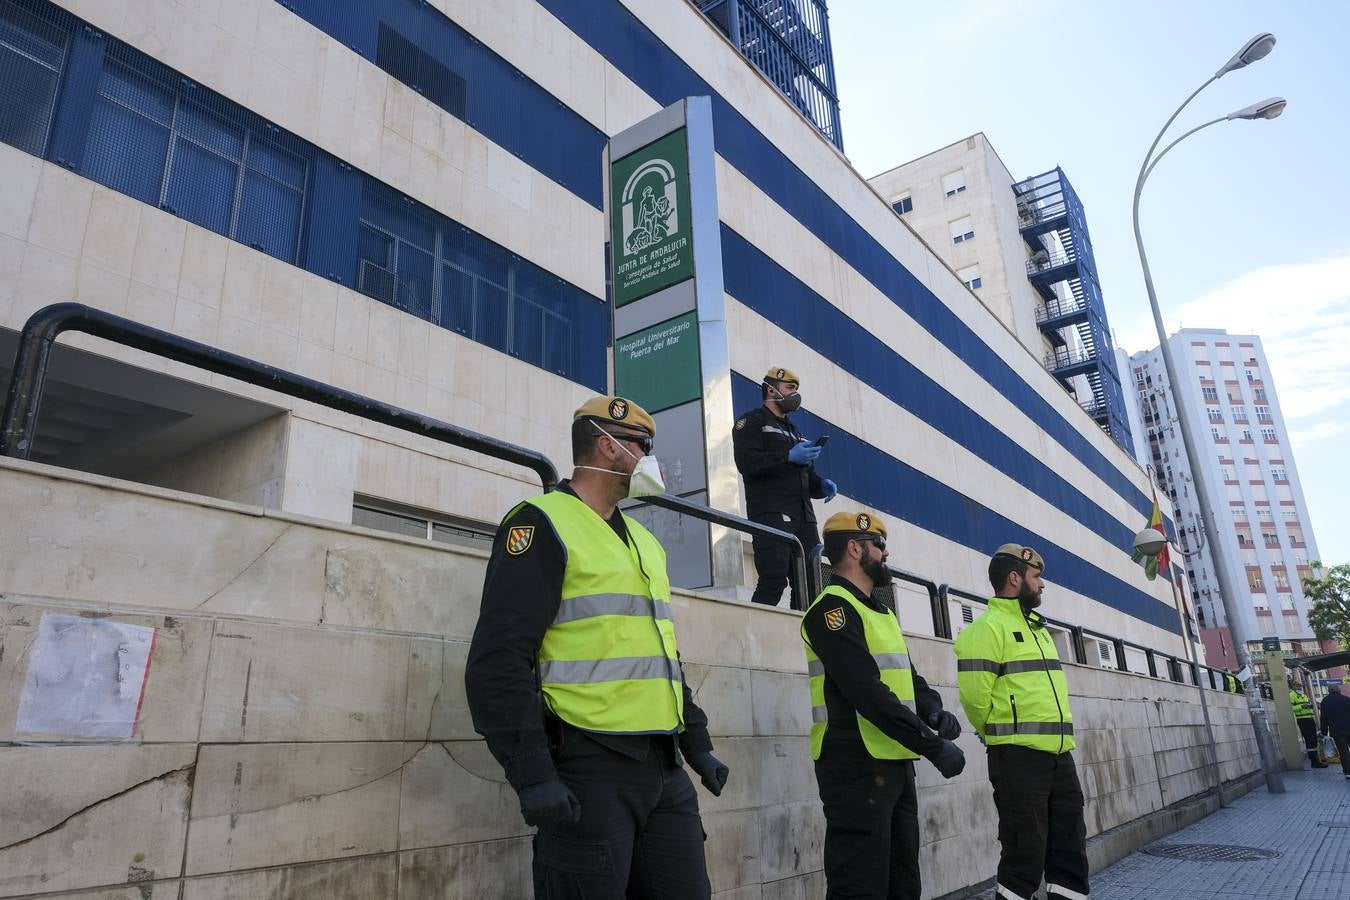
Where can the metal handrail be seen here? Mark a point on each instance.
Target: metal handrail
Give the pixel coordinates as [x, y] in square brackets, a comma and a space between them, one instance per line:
[44, 326]
[801, 583]
[19, 422]
[942, 626]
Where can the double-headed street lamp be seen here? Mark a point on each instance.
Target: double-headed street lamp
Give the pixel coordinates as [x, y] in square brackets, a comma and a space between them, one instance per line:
[1255, 49]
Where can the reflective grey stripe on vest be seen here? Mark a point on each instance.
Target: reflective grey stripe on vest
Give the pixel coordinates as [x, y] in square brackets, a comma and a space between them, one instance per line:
[1030, 665]
[575, 609]
[819, 714]
[891, 660]
[771, 429]
[815, 667]
[591, 671]
[1002, 729]
[1007, 668]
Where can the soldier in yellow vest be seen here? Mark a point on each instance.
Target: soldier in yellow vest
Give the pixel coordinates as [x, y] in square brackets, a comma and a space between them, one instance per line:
[1013, 690]
[872, 715]
[574, 679]
[1307, 723]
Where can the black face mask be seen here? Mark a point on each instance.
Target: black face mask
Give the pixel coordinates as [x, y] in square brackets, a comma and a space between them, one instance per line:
[786, 402]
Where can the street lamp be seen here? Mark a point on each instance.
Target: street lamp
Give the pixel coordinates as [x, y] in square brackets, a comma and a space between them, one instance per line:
[1253, 50]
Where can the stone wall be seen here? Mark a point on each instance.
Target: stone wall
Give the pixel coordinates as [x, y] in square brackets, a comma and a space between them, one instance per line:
[303, 730]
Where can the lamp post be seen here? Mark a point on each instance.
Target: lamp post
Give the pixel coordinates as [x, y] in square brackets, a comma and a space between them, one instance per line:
[1255, 49]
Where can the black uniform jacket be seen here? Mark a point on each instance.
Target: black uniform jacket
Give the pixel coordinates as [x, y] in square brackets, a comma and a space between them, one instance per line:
[853, 684]
[1336, 714]
[773, 486]
[521, 596]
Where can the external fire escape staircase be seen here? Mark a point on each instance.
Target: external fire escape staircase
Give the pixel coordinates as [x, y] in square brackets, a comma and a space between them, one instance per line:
[789, 41]
[1064, 273]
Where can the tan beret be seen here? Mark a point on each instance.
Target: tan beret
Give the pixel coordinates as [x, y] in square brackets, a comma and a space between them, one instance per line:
[855, 523]
[1025, 554]
[617, 411]
[778, 373]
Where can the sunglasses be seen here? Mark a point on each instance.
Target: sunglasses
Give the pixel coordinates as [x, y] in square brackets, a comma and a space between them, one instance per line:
[874, 538]
[643, 441]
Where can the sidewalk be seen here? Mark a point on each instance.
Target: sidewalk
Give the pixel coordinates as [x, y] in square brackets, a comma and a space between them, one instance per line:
[1308, 826]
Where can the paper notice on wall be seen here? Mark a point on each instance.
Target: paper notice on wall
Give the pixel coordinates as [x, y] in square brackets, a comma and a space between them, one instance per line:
[86, 677]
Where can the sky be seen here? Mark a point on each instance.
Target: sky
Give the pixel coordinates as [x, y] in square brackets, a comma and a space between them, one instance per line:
[1245, 223]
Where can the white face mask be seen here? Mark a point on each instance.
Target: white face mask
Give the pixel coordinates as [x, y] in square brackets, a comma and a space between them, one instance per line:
[645, 481]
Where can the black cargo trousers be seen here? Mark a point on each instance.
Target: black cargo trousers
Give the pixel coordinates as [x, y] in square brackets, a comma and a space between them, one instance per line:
[640, 836]
[1040, 823]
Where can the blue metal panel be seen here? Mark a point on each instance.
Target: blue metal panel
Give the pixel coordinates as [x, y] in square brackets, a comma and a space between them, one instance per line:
[904, 493]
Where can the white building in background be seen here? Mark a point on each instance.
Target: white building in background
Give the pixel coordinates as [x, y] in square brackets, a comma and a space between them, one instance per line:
[1023, 248]
[1248, 466]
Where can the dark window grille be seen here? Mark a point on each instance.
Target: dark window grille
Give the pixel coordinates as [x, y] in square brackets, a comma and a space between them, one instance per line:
[33, 44]
[172, 144]
[417, 69]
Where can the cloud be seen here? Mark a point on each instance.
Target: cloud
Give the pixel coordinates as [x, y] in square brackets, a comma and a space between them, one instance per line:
[1301, 311]
[1320, 431]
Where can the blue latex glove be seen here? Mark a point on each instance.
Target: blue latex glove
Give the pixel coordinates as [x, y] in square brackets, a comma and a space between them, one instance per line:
[831, 489]
[803, 453]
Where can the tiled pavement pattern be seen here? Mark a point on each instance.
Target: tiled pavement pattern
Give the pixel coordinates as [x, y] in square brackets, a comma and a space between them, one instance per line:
[1309, 825]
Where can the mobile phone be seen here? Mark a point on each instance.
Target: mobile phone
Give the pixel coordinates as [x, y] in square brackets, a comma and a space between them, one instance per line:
[822, 440]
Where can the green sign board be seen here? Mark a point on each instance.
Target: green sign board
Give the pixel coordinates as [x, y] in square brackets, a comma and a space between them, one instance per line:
[1270, 645]
[659, 366]
[650, 223]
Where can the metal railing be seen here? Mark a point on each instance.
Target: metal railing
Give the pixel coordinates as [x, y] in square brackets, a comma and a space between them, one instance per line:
[23, 401]
[1056, 309]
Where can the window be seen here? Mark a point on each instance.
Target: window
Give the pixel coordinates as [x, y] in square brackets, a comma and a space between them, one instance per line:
[963, 229]
[1247, 435]
[1270, 538]
[1215, 432]
[954, 183]
[1259, 394]
[1139, 377]
[1215, 414]
[1239, 413]
[903, 204]
[1281, 578]
[174, 145]
[418, 523]
[970, 275]
[403, 59]
[1211, 394]
[32, 56]
[1263, 414]
[1278, 473]
[1268, 435]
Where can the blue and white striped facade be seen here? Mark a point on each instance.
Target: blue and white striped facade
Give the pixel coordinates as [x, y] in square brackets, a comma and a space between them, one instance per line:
[941, 419]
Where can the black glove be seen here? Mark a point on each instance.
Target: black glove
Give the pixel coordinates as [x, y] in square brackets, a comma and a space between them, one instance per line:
[950, 761]
[549, 804]
[947, 726]
[713, 772]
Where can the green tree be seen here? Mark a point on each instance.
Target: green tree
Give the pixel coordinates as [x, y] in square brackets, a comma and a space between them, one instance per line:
[1330, 599]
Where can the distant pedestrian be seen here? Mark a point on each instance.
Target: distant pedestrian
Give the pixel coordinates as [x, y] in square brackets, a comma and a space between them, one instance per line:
[1336, 722]
[1307, 725]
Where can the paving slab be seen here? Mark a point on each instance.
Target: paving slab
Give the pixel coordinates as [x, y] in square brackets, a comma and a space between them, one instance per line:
[1308, 826]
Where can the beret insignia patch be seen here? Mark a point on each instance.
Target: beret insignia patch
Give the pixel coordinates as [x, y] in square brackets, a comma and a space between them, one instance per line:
[864, 522]
[618, 408]
[1026, 554]
[781, 374]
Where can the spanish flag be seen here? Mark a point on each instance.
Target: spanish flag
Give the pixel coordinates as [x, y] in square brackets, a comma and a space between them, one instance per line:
[1163, 560]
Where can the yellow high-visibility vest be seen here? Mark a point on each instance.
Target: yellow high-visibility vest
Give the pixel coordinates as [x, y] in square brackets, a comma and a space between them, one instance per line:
[1303, 708]
[1011, 680]
[609, 661]
[886, 643]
